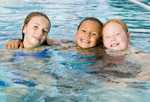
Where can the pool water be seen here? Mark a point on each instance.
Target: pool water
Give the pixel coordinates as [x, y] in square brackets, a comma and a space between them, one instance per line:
[53, 74]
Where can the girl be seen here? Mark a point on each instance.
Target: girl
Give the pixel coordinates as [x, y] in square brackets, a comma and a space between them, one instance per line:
[115, 35]
[34, 31]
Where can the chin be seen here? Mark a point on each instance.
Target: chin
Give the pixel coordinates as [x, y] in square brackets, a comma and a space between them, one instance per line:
[84, 47]
[28, 47]
[34, 45]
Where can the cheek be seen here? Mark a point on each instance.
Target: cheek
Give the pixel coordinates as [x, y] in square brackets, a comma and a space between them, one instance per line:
[94, 39]
[76, 35]
[79, 36]
[125, 43]
[29, 32]
[106, 42]
[76, 38]
[124, 40]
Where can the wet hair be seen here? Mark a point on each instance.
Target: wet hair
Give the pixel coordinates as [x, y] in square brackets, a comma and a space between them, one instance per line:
[99, 42]
[123, 25]
[91, 19]
[29, 17]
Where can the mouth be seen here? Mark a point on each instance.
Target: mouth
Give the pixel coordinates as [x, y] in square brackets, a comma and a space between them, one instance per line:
[114, 44]
[36, 38]
[84, 41]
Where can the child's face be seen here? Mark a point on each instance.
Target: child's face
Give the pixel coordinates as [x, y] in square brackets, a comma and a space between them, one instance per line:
[115, 37]
[35, 31]
[88, 34]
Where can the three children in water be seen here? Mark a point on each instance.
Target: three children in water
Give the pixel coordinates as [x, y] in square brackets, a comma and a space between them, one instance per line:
[90, 33]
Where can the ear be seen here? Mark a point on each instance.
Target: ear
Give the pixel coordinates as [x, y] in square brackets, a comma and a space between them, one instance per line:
[24, 28]
[128, 35]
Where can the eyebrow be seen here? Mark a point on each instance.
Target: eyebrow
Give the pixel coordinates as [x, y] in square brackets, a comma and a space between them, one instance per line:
[39, 25]
[36, 23]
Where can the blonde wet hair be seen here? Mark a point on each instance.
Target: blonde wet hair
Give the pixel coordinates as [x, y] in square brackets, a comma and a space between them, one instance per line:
[118, 21]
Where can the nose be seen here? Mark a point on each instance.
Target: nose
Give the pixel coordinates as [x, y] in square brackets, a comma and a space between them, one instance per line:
[88, 34]
[113, 38]
[39, 32]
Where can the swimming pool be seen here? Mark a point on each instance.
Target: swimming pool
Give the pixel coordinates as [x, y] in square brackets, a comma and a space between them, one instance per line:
[53, 75]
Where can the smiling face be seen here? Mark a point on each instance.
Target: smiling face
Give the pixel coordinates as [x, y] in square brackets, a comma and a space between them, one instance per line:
[35, 31]
[88, 34]
[115, 37]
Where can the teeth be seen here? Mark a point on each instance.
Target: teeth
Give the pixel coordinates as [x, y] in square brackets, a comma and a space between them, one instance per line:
[84, 41]
[114, 44]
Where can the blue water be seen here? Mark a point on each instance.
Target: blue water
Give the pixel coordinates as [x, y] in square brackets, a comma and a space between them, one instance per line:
[57, 75]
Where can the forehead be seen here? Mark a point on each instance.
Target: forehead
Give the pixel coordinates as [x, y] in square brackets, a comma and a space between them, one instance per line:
[39, 20]
[112, 27]
[90, 24]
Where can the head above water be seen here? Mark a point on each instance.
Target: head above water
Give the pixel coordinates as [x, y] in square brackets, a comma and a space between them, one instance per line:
[89, 32]
[115, 35]
[35, 29]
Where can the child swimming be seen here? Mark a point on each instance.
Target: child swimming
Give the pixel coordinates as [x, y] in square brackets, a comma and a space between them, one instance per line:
[34, 31]
[116, 41]
[88, 35]
[115, 35]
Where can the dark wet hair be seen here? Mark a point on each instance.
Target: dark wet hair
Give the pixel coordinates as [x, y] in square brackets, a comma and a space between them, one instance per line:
[29, 17]
[91, 19]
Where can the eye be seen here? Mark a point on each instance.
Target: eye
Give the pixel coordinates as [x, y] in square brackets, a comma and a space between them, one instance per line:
[83, 30]
[35, 27]
[94, 34]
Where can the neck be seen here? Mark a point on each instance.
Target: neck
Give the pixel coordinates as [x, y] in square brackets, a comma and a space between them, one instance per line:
[26, 44]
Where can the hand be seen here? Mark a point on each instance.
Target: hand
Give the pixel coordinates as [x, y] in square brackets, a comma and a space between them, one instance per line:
[14, 44]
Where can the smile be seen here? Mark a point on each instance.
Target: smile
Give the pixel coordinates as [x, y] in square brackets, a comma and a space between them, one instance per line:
[38, 39]
[114, 44]
[84, 41]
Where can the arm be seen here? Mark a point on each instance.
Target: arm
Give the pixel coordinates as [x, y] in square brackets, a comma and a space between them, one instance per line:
[59, 42]
[14, 44]
[63, 44]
